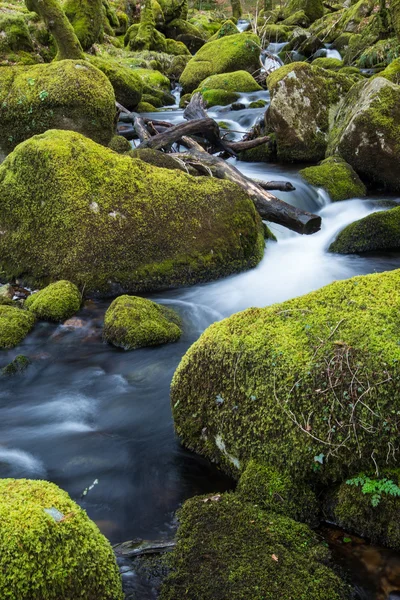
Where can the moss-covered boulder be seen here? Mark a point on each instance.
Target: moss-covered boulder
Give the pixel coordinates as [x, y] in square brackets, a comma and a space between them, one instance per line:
[50, 548]
[86, 17]
[277, 384]
[15, 324]
[276, 33]
[376, 232]
[227, 28]
[16, 366]
[72, 209]
[392, 72]
[263, 153]
[366, 132]
[314, 9]
[179, 27]
[237, 81]
[227, 54]
[228, 548]
[302, 99]
[277, 492]
[132, 322]
[119, 144]
[126, 83]
[157, 158]
[66, 94]
[337, 177]
[297, 19]
[369, 505]
[156, 87]
[328, 63]
[56, 302]
[14, 33]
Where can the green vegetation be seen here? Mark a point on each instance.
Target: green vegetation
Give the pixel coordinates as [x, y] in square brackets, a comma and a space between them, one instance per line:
[50, 549]
[337, 177]
[56, 302]
[132, 322]
[375, 487]
[15, 324]
[119, 144]
[86, 17]
[126, 83]
[18, 365]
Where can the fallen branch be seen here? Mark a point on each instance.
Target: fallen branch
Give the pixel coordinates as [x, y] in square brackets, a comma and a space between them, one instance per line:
[207, 127]
[281, 186]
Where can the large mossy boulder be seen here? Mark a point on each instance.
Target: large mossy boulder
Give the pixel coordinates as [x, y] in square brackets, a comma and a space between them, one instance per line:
[15, 324]
[302, 100]
[227, 54]
[132, 322]
[368, 505]
[126, 83]
[366, 132]
[278, 384]
[314, 9]
[227, 548]
[377, 232]
[337, 177]
[67, 94]
[56, 302]
[86, 17]
[72, 209]
[50, 548]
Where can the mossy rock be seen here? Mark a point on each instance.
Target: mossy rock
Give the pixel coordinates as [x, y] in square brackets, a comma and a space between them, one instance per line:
[177, 67]
[313, 9]
[132, 322]
[41, 527]
[337, 177]
[126, 83]
[86, 17]
[237, 81]
[157, 158]
[179, 27]
[227, 54]
[302, 100]
[119, 144]
[392, 72]
[143, 107]
[276, 492]
[257, 104]
[72, 209]
[227, 548]
[15, 324]
[263, 153]
[382, 53]
[227, 28]
[154, 41]
[298, 18]
[65, 94]
[156, 87]
[219, 97]
[18, 365]
[347, 506]
[276, 33]
[56, 302]
[377, 232]
[328, 63]
[263, 384]
[15, 34]
[174, 9]
[366, 132]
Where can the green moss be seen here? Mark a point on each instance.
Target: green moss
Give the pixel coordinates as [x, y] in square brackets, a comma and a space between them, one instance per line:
[337, 177]
[145, 107]
[377, 232]
[126, 83]
[366, 131]
[380, 54]
[61, 547]
[15, 324]
[258, 104]
[277, 384]
[119, 144]
[15, 34]
[56, 302]
[219, 97]
[303, 101]
[180, 27]
[227, 28]
[66, 94]
[132, 322]
[156, 87]
[178, 64]
[276, 33]
[230, 549]
[298, 18]
[18, 365]
[328, 63]
[349, 508]
[227, 54]
[157, 158]
[237, 81]
[314, 9]
[86, 17]
[392, 72]
[72, 209]
[277, 492]
[140, 38]
[264, 153]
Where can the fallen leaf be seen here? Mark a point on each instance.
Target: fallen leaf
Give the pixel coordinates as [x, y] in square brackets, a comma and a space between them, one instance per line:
[275, 558]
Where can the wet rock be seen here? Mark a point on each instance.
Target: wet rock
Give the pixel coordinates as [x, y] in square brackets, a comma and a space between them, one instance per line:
[56, 302]
[15, 324]
[337, 177]
[18, 365]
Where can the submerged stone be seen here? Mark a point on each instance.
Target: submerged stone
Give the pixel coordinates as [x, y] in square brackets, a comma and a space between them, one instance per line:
[72, 209]
[56, 302]
[133, 322]
[44, 557]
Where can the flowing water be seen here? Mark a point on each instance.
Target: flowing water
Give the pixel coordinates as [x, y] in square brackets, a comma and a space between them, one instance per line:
[85, 411]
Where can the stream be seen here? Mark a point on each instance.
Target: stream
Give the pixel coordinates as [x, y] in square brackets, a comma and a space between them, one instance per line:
[85, 411]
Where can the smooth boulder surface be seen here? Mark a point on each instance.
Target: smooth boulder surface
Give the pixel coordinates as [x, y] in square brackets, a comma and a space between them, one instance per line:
[264, 383]
[366, 132]
[15, 324]
[56, 302]
[72, 209]
[227, 54]
[227, 548]
[50, 549]
[65, 94]
[377, 232]
[337, 177]
[133, 322]
[302, 98]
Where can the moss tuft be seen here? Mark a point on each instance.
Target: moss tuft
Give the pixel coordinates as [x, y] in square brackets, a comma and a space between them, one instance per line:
[50, 548]
[132, 322]
[56, 302]
[86, 17]
[15, 324]
[119, 144]
[337, 177]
